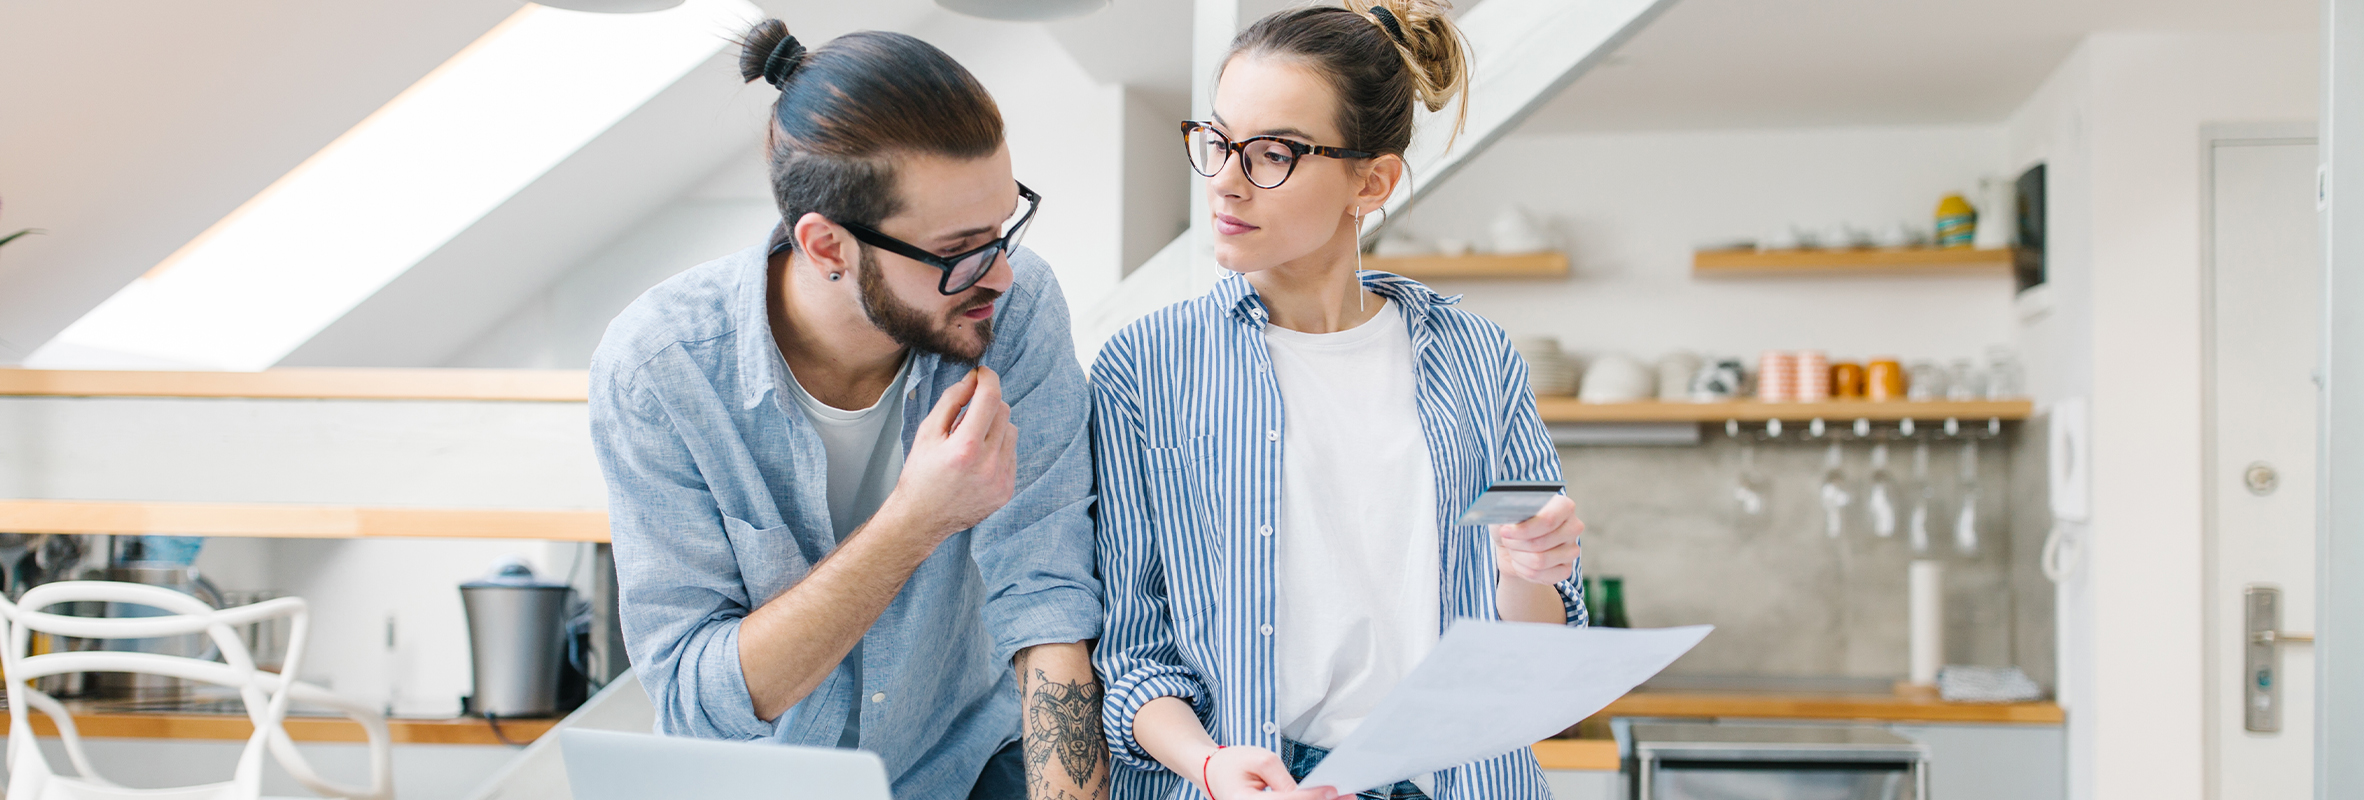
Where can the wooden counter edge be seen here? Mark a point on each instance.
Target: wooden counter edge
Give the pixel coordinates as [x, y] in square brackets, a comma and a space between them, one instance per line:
[226, 727]
[512, 385]
[299, 521]
[1880, 708]
[1578, 754]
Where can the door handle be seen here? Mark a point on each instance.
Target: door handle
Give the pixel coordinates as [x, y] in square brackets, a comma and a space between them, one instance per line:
[2280, 637]
[2261, 658]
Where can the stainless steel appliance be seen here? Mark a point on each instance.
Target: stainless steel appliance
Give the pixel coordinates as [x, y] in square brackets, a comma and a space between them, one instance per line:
[517, 642]
[145, 686]
[1717, 760]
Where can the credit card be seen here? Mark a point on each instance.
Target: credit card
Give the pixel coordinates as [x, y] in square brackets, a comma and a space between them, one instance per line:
[1506, 502]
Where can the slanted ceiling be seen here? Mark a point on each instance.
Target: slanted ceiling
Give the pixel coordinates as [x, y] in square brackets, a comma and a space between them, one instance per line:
[128, 127]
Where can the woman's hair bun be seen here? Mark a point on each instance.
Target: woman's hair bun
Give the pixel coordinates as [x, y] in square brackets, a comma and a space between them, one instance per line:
[1424, 31]
[770, 53]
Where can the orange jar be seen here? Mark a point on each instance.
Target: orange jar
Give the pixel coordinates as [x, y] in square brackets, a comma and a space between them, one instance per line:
[1883, 380]
[1846, 380]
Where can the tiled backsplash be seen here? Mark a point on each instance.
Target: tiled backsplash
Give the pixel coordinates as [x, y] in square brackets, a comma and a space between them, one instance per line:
[1789, 601]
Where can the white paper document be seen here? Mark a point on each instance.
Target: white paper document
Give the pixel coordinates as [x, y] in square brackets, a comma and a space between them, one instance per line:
[1493, 687]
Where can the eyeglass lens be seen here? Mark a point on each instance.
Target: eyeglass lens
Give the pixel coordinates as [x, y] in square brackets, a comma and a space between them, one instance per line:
[966, 272]
[1267, 162]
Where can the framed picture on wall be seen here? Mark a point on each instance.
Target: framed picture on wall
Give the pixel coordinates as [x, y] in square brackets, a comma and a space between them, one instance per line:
[2027, 265]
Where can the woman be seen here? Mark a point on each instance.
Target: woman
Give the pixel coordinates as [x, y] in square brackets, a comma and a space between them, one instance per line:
[1280, 460]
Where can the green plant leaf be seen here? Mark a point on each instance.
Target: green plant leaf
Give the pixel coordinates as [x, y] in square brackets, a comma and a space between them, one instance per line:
[19, 234]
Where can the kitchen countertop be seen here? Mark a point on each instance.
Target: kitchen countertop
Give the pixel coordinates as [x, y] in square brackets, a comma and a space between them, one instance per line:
[1601, 753]
[1554, 754]
[1884, 707]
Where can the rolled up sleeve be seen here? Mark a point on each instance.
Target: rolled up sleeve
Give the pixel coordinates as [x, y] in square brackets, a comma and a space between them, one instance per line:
[1136, 657]
[1035, 554]
[680, 591]
[1529, 455]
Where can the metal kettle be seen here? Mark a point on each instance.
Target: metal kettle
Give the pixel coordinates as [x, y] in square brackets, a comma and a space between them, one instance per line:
[518, 642]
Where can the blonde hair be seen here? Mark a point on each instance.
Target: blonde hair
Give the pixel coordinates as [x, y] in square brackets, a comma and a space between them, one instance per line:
[1380, 56]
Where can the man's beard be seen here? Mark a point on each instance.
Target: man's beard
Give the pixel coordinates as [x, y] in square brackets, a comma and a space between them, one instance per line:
[911, 327]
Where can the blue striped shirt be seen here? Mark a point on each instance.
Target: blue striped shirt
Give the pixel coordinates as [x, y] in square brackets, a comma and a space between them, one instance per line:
[1187, 433]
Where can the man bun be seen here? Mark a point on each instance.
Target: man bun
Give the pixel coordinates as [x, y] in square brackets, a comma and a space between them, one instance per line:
[770, 53]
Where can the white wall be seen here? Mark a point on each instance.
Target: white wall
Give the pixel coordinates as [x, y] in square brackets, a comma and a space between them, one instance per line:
[2056, 338]
[558, 326]
[431, 454]
[1066, 135]
[1632, 206]
[2121, 123]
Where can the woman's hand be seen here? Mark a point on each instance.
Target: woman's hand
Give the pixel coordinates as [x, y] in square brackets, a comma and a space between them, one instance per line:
[1542, 549]
[1253, 773]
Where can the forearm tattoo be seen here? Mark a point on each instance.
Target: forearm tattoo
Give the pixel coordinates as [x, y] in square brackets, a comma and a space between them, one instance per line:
[1063, 724]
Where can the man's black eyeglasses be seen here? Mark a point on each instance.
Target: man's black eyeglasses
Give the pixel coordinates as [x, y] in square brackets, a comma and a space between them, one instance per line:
[963, 270]
[1267, 160]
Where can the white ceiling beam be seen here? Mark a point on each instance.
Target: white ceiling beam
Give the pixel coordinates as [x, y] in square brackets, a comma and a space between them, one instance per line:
[1524, 53]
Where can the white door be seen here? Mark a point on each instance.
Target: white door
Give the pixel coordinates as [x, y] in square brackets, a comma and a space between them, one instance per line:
[2264, 314]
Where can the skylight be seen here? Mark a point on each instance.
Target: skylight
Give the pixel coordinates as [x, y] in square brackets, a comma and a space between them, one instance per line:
[394, 188]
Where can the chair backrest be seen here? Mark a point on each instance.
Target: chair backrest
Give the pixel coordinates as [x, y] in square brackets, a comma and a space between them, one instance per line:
[266, 701]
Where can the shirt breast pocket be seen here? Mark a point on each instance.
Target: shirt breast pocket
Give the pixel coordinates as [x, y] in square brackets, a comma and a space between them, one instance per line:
[1178, 476]
[770, 559]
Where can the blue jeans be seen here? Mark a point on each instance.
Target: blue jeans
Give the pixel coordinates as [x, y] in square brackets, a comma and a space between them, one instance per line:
[1302, 758]
[1004, 777]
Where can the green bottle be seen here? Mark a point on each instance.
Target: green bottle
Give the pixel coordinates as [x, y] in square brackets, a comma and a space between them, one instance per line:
[1613, 603]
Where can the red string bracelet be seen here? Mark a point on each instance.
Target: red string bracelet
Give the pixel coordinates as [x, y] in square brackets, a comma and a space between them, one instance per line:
[1202, 770]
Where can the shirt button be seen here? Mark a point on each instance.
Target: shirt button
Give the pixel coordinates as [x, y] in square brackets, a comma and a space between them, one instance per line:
[878, 698]
[1266, 630]
[1272, 435]
[1263, 530]
[1271, 728]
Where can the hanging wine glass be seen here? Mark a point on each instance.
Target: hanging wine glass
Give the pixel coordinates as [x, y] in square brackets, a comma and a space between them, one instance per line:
[1966, 518]
[1882, 500]
[1835, 497]
[1917, 527]
[1751, 491]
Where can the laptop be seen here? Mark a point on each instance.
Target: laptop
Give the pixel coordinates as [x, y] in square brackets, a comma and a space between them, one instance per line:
[611, 765]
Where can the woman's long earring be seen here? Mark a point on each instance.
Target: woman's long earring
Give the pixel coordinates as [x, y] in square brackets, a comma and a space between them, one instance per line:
[1358, 261]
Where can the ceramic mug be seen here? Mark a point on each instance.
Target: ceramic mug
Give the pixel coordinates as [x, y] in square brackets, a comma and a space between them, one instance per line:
[1846, 380]
[1883, 380]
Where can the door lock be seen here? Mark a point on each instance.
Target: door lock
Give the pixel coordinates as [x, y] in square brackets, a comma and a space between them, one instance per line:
[2261, 478]
[2261, 680]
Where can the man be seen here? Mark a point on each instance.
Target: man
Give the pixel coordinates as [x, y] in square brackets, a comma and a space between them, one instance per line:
[848, 470]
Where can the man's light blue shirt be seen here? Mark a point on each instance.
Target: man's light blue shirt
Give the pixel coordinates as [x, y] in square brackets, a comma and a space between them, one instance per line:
[717, 494]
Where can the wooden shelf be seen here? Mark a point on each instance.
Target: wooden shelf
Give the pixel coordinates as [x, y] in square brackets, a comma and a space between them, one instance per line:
[523, 385]
[1568, 409]
[234, 727]
[1882, 707]
[1910, 261]
[292, 521]
[1529, 265]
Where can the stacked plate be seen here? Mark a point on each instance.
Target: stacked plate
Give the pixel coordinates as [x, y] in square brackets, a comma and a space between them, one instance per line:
[1550, 371]
[1812, 383]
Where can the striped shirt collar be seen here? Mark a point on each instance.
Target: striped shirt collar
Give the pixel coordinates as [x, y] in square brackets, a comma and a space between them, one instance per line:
[1237, 295]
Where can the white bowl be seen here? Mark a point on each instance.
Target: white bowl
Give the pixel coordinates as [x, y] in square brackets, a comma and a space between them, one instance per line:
[1618, 379]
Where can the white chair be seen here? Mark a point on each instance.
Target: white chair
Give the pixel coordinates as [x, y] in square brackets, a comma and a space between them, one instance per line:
[266, 695]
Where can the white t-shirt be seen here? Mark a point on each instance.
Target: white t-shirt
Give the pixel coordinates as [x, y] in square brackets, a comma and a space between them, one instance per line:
[865, 450]
[1358, 551]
